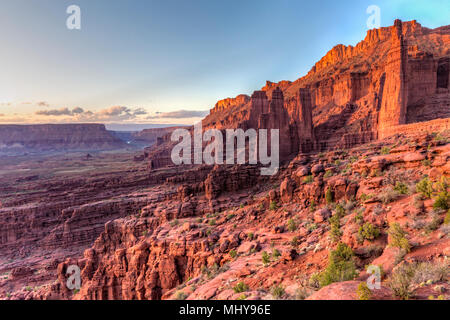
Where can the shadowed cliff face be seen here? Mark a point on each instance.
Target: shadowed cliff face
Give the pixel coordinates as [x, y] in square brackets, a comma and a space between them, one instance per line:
[56, 137]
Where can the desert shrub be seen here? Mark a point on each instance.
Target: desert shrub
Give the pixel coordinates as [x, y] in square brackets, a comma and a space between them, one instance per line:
[277, 291]
[273, 206]
[364, 197]
[250, 236]
[434, 224]
[312, 206]
[301, 293]
[401, 188]
[388, 195]
[212, 222]
[308, 179]
[385, 150]
[328, 174]
[242, 205]
[341, 266]
[292, 226]
[294, 242]
[329, 196]
[398, 237]
[335, 232]
[443, 198]
[400, 281]
[181, 295]
[359, 218]
[265, 258]
[340, 211]
[425, 187]
[363, 292]
[408, 276]
[426, 163]
[240, 287]
[368, 232]
[233, 253]
[276, 253]
[447, 218]
[314, 280]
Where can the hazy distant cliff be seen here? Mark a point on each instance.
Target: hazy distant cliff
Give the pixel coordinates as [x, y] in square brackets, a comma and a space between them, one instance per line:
[55, 137]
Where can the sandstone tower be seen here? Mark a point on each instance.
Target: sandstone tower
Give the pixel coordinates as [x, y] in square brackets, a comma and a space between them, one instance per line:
[394, 102]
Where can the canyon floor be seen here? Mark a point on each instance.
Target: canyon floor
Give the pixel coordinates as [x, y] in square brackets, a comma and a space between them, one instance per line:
[225, 232]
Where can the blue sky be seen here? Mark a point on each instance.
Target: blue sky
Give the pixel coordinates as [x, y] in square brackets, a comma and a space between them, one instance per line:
[156, 61]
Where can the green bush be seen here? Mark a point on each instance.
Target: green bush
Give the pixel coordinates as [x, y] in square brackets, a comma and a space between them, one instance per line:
[400, 281]
[308, 179]
[363, 292]
[240, 287]
[233, 253]
[273, 206]
[329, 196]
[447, 218]
[385, 150]
[181, 295]
[292, 226]
[277, 291]
[340, 211]
[368, 232]
[425, 187]
[335, 224]
[294, 242]
[401, 188]
[398, 237]
[328, 174]
[443, 198]
[265, 258]
[341, 266]
[276, 253]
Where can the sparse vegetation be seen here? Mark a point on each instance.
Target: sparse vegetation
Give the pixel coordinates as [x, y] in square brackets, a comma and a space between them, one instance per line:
[240, 287]
[407, 276]
[398, 237]
[278, 292]
[180, 295]
[273, 206]
[276, 253]
[308, 179]
[233, 253]
[425, 187]
[363, 292]
[388, 195]
[335, 224]
[341, 266]
[265, 258]
[401, 188]
[385, 150]
[329, 196]
[292, 225]
[368, 232]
